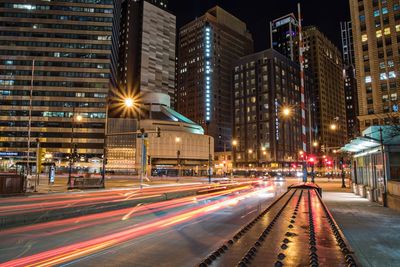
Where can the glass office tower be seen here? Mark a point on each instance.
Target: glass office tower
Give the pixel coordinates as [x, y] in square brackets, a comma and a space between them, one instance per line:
[54, 76]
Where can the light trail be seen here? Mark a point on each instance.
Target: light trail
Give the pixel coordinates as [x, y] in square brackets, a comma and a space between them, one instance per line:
[110, 216]
[80, 249]
[96, 198]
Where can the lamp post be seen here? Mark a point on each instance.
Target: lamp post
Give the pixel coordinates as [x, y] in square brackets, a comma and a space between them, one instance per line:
[130, 103]
[209, 159]
[103, 177]
[287, 112]
[73, 146]
[334, 127]
[178, 153]
[234, 145]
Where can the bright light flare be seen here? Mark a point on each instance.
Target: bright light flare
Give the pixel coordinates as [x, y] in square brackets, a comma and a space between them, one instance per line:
[286, 111]
[129, 102]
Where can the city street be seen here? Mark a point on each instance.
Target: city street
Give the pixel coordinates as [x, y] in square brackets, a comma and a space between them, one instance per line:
[173, 233]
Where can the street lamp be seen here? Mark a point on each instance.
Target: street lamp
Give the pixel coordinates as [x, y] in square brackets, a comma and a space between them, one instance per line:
[234, 145]
[129, 102]
[315, 144]
[178, 153]
[234, 142]
[286, 111]
[75, 118]
[333, 126]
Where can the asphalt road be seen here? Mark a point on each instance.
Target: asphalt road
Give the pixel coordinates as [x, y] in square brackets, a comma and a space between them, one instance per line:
[178, 232]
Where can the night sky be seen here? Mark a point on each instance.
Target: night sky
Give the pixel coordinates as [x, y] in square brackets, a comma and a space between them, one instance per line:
[322, 13]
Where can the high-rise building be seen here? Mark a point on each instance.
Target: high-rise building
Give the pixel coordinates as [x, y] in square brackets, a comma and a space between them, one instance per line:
[324, 59]
[207, 48]
[146, 52]
[267, 110]
[283, 35]
[350, 81]
[376, 32]
[54, 77]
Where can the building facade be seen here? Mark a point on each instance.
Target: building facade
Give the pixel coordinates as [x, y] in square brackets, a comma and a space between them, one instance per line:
[265, 84]
[146, 50]
[376, 32]
[54, 76]
[324, 60]
[180, 149]
[283, 35]
[207, 48]
[350, 81]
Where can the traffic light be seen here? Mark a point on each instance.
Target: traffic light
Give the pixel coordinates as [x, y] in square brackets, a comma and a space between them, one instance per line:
[158, 131]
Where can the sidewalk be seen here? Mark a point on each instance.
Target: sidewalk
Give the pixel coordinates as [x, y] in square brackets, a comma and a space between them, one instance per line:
[372, 231]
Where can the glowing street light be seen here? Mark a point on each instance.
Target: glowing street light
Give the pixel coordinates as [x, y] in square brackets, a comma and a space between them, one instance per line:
[250, 151]
[315, 144]
[333, 127]
[79, 117]
[286, 111]
[234, 142]
[129, 102]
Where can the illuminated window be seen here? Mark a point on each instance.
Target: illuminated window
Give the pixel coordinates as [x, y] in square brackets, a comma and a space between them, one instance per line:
[368, 79]
[24, 6]
[384, 10]
[364, 38]
[383, 76]
[392, 74]
[376, 13]
[398, 28]
[386, 31]
[378, 33]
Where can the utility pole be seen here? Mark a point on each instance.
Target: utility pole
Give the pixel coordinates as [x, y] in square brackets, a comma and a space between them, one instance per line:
[209, 159]
[103, 177]
[302, 92]
[71, 147]
[343, 173]
[383, 155]
[38, 163]
[30, 121]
